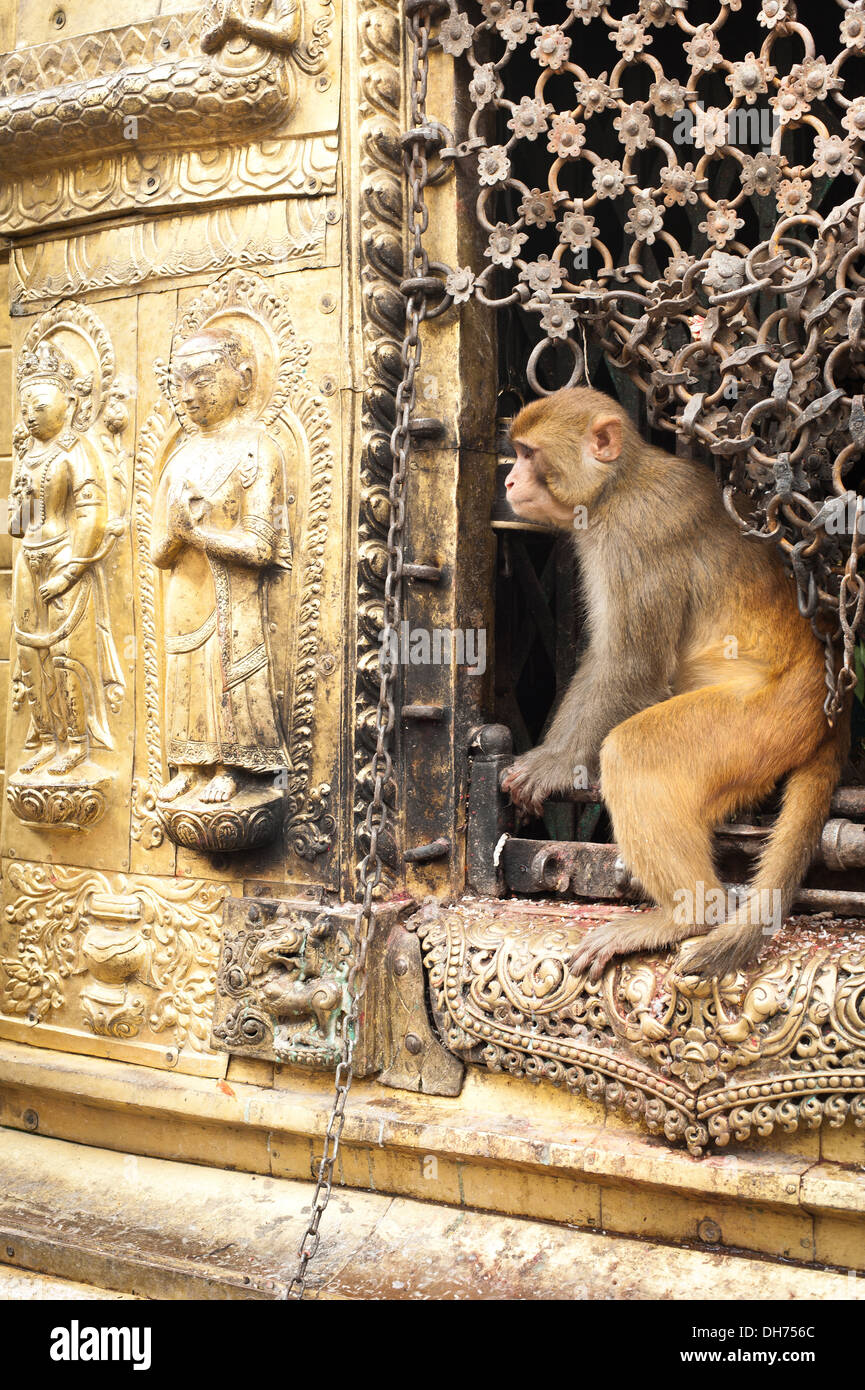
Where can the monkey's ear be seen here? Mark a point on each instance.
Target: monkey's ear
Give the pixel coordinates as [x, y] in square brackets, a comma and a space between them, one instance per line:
[605, 438]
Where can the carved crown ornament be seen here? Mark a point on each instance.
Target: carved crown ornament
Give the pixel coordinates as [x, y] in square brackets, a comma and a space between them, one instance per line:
[231, 516]
[208, 74]
[699, 1062]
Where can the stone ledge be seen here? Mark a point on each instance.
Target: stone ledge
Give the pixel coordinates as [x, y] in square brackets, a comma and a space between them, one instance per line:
[159, 1229]
[500, 1146]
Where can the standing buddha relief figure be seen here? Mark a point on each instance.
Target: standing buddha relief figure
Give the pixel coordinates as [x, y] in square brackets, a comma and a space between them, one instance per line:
[219, 527]
[66, 669]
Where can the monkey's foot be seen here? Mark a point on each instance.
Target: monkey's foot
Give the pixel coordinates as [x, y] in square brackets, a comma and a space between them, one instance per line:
[648, 931]
[727, 949]
[68, 762]
[536, 775]
[220, 788]
[179, 784]
[39, 757]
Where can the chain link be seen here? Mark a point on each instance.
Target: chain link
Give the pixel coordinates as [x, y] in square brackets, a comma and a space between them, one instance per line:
[370, 867]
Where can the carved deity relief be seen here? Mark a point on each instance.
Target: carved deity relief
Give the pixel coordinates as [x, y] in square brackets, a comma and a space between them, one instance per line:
[219, 526]
[67, 509]
[231, 456]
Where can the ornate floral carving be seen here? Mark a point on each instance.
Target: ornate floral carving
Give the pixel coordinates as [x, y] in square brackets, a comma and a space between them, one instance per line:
[249, 236]
[151, 179]
[699, 1061]
[83, 58]
[117, 955]
[224, 829]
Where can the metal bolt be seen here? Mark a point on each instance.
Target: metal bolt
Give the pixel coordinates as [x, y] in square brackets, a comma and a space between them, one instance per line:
[322, 82]
[58, 19]
[332, 215]
[413, 1043]
[327, 304]
[710, 1232]
[328, 663]
[31, 1119]
[400, 966]
[328, 385]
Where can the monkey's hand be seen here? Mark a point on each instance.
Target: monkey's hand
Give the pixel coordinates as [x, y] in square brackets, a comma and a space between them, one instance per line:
[594, 954]
[644, 931]
[536, 775]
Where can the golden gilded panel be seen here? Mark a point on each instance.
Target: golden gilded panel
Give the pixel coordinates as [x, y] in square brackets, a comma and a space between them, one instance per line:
[265, 237]
[178, 609]
[110, 965]
[218, 102]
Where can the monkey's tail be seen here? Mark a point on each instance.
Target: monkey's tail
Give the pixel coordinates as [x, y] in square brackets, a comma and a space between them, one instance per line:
[783, 864]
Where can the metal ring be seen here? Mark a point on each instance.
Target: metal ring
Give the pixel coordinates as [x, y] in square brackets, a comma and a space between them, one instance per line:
[538, 349]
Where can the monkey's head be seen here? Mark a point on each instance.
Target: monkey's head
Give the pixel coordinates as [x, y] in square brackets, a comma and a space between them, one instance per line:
[568, 447]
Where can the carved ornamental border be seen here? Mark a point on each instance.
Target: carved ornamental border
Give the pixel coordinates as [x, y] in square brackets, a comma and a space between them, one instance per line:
[700, 1062]
[383, 320]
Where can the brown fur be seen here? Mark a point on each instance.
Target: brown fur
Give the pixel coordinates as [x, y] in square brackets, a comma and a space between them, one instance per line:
[701, 687]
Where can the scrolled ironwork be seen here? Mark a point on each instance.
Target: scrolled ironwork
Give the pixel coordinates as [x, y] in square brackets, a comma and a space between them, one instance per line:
[703, 222]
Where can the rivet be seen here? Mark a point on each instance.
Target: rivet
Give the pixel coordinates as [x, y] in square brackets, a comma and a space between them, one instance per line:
[413, 1043]
[322, 82]
[400, 966]
[58, 19]
[327, 304]
[31, 1119]
[328, 385]
[328, 663]
[332, 215]
[710, 1232]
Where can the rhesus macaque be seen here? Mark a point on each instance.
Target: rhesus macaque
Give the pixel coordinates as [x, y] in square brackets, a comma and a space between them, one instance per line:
[701, 685]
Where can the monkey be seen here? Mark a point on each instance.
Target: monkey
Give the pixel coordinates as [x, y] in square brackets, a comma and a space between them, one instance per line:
[700, 688]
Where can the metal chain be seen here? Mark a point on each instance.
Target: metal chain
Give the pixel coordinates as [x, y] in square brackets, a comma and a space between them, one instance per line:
[417, 287]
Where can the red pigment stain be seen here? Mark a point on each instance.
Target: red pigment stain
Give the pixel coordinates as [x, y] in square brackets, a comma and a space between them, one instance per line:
[224, 1086]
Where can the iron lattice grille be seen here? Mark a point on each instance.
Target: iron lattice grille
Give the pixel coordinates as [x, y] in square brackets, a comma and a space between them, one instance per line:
[704, 222]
